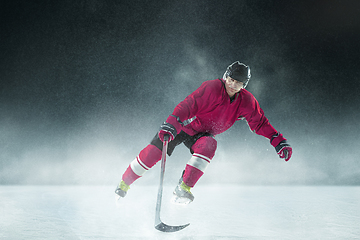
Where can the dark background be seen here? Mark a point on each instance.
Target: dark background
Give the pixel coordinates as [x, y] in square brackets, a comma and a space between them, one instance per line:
[86, 84]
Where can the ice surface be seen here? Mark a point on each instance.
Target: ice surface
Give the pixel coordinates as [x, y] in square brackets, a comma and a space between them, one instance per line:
[232, 212]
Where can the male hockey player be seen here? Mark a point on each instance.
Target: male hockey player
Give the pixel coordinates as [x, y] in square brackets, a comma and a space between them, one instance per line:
[210, 110]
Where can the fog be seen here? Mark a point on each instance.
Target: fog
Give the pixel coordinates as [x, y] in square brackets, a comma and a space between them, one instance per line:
[85, 86]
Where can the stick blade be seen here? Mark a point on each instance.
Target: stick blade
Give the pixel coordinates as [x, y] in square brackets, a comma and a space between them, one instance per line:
[166, 228]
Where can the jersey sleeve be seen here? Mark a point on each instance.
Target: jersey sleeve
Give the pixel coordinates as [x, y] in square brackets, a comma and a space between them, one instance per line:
[256, 118]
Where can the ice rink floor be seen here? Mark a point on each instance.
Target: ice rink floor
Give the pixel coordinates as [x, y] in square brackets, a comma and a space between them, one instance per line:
[232, 212]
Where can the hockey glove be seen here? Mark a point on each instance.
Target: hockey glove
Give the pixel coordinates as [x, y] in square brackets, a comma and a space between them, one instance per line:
[171, 128]
[282, 148]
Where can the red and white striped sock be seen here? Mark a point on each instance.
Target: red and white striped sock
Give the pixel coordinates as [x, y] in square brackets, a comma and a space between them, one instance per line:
[146, 159]
[204, 150]
[195, 168]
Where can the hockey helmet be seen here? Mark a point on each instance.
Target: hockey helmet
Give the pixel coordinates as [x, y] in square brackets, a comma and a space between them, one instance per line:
[239, 72]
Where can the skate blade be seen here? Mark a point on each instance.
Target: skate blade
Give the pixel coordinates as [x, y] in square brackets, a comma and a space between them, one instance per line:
[118, 201]
[180, 201]
[117, 197]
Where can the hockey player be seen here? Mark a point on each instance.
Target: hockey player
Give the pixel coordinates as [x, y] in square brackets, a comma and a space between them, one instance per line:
[210, 110]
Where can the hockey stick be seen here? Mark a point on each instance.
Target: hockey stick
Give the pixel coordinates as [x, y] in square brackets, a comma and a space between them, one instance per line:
[159, 225]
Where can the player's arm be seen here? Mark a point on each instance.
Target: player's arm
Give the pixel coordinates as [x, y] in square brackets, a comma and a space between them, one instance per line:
[259, 124]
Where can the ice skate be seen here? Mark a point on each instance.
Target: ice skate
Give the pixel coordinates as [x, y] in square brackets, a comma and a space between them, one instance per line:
[182, 194]
[121, 190]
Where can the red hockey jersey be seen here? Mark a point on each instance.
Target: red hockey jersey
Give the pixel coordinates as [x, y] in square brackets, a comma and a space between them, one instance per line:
[210, 109]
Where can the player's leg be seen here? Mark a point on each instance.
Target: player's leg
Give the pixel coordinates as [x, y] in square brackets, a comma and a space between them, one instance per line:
[146, 159]
[203, 151]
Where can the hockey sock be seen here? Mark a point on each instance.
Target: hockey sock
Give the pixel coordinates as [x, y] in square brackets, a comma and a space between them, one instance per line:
[146, 159]
[129, 176]
[194, 169]
[204, 150]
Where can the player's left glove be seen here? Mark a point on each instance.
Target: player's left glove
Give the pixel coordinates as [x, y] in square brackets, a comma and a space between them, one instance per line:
[283, 149]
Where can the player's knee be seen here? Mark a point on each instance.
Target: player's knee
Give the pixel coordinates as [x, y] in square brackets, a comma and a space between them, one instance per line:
[205, 146]
[149, 156]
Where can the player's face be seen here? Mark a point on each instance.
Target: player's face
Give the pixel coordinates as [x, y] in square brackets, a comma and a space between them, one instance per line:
[232, 86]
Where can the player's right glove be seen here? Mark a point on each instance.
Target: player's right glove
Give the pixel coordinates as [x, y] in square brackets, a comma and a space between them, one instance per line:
[171, 128]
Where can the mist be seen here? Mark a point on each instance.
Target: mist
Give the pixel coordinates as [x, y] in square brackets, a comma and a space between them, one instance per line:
[85, 86]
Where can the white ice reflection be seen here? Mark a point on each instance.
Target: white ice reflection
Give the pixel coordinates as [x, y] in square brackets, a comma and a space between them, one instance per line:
[231, 212]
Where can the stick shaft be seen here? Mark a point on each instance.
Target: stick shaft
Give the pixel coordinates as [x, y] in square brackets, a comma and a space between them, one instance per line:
[162, 173]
